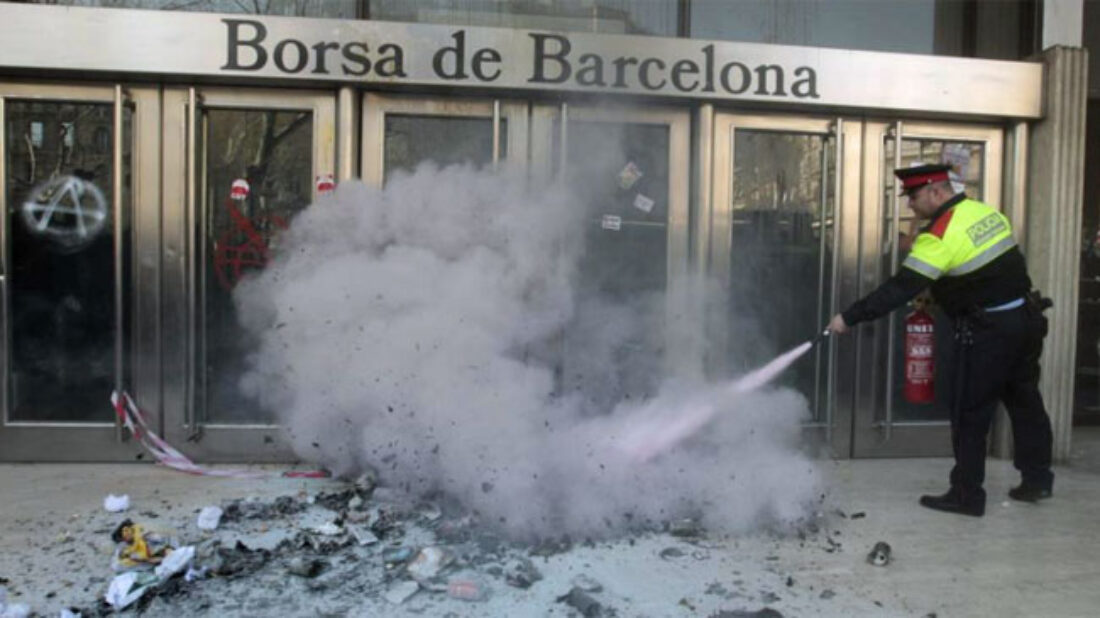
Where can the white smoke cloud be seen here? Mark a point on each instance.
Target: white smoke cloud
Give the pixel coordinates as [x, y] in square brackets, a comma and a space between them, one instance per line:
[416, 329]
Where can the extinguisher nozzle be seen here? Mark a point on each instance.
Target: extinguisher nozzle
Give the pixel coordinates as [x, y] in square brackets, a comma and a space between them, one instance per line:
[822, 336]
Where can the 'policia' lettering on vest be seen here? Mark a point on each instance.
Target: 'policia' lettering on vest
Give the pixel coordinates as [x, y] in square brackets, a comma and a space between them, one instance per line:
[985, 229]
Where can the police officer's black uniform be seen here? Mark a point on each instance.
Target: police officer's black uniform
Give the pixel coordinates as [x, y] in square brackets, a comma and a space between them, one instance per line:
[978, 276]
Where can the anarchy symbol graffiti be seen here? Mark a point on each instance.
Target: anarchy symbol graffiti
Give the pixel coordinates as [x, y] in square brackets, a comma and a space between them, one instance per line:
[66, 210]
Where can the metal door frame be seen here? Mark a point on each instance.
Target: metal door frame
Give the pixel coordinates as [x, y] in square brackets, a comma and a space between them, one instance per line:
[375, 107]
[183, 315]
[716, 231]
[92, 441]
[872, 437]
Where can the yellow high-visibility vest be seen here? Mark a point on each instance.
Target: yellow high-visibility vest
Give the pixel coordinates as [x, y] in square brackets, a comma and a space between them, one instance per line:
[962, 240]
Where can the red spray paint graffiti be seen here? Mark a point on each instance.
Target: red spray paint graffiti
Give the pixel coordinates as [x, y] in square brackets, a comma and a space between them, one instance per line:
[247, 244]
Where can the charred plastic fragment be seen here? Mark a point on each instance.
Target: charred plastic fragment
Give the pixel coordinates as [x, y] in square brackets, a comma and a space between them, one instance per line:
[397, 556]
[521, 573]
[304, 567]
[685, 528]
[765, 612]
[880, 554]
[239, 560]
[582, 602]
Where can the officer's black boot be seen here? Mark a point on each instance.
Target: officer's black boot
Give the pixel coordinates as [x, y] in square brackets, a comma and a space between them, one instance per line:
[1030, 492]
[957, 500]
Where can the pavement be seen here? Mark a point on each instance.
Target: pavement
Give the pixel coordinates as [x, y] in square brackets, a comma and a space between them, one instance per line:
[1018, 560]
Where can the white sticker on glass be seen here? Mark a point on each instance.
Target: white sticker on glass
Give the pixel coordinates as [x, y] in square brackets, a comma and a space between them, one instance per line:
[629, 175]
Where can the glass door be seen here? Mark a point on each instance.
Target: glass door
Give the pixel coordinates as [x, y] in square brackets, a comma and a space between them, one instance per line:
[239, 165]
[401, 132]
[627, 169]
[886, 425]
[780, 242]
[67, 188]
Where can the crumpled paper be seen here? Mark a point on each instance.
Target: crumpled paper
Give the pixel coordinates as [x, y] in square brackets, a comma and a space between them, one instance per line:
[128, 587]
[116, 504]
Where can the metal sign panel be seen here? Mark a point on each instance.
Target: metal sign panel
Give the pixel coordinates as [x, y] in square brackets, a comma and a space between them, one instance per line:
[370, 52]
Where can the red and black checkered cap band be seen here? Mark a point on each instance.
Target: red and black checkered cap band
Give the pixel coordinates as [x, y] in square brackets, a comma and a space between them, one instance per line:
[919, 180]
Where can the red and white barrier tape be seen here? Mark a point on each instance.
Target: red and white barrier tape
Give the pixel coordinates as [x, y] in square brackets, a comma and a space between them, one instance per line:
[134, 419]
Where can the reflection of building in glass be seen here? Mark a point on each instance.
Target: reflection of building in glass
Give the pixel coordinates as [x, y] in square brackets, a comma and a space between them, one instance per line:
[964, 157]
[60, 277]
[267, 149]
[778, 190]
[46, 138]
[779, 266]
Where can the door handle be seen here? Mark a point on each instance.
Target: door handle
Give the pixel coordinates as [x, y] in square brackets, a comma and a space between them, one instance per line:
[838, 196]
[563, 142]
[823, 226]
[895, 227]
[120, 99]
[496, 133]
[191, 207]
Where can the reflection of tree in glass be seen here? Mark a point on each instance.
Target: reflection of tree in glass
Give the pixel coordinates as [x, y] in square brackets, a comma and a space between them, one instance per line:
[273, 151]
[780, 262]
[615, 16]
[776, 172]
[67, 142]
[267, 148]
[296, 8]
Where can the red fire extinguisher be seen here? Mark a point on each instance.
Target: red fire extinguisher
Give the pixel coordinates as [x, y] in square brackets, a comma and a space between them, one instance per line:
[920, 350]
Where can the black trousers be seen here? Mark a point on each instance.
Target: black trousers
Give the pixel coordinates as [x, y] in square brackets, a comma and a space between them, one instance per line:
[997, 359]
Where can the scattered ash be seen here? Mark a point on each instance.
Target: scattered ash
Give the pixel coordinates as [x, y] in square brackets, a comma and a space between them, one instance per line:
[238, 561]
[366, 550]
[346, 551]
[283, 506]
[336, 501]
[584, 603]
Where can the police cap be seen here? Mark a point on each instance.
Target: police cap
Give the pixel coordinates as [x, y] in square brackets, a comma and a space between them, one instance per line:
[913, 178]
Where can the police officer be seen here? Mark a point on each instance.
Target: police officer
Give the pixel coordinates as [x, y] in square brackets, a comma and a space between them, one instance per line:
[978, 276]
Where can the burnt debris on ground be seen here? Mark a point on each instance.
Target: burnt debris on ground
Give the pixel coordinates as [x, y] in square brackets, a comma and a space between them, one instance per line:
[363, 546]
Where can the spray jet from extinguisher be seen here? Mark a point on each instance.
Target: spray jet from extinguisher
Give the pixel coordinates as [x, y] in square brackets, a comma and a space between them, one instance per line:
[656, 429]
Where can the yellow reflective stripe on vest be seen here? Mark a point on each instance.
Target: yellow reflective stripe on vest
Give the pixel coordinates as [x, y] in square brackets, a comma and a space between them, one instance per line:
[975, 235]
[986, 256]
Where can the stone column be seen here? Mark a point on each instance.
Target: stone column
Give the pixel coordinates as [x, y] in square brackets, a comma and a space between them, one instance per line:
[1056, 166]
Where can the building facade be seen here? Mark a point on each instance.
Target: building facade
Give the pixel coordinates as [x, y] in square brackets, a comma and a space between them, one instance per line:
[762, 134]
